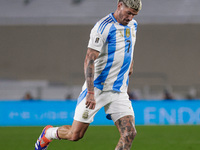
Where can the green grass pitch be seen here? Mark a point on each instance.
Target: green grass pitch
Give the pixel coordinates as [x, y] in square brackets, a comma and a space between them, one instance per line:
[106, 138]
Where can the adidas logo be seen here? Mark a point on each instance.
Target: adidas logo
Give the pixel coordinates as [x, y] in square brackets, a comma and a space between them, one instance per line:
[42, 141]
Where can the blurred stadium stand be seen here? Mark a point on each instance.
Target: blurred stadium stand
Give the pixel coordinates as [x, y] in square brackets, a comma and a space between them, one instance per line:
[38, 89]
[38, 44]
[89, 11]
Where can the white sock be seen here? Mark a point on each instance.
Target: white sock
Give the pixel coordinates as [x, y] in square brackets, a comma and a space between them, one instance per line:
[51, 133]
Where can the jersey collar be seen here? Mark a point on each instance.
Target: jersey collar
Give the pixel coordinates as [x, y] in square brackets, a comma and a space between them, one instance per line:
[111, 15]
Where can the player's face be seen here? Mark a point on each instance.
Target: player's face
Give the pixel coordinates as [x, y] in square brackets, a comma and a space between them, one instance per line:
[125, 14]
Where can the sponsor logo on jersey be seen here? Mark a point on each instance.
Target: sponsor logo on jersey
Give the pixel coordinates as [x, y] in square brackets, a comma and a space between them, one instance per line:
[133, 33]
[121, 34]
[97, 40]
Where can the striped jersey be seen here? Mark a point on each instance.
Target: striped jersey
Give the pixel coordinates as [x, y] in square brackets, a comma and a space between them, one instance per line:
[115, 43]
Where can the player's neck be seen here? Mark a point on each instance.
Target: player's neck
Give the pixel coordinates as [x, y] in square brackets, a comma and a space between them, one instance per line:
[116, 16]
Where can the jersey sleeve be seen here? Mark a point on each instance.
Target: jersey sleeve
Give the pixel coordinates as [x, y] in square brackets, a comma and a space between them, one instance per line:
[97, 40]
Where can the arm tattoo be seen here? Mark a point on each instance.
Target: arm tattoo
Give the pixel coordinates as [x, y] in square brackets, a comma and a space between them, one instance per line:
[90, 72]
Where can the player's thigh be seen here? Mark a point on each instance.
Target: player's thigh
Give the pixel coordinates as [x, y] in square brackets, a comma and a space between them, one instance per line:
[120, 106]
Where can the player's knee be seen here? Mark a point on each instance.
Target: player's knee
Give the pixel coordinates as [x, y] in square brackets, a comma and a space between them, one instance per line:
[134, 133]
[130, 135]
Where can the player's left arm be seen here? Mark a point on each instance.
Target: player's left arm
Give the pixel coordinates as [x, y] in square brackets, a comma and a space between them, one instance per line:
[91, 56]
[131, 68]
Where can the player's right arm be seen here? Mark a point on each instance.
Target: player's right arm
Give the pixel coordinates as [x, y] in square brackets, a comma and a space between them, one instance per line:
[91, 56]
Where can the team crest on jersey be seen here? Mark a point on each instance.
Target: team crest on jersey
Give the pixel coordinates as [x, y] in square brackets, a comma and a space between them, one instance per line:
[85, 114]
[127, 32]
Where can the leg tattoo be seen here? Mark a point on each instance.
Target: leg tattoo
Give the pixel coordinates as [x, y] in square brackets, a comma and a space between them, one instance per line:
[127, 132]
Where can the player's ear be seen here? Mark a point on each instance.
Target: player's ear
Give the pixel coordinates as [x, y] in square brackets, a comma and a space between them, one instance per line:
[119, 5]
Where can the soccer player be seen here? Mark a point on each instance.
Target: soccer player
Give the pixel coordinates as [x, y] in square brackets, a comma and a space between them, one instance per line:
[107, 67]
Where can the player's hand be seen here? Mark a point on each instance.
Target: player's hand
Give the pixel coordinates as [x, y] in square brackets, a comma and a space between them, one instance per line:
[130, 72]
[131, 68]
[90, 101]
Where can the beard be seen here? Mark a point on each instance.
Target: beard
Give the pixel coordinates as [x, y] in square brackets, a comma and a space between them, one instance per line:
[123, 20]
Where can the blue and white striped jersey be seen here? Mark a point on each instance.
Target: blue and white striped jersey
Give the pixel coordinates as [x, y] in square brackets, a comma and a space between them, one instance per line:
[115, 42]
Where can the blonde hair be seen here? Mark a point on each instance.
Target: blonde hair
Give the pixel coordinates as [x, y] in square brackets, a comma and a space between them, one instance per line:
[134, 4]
